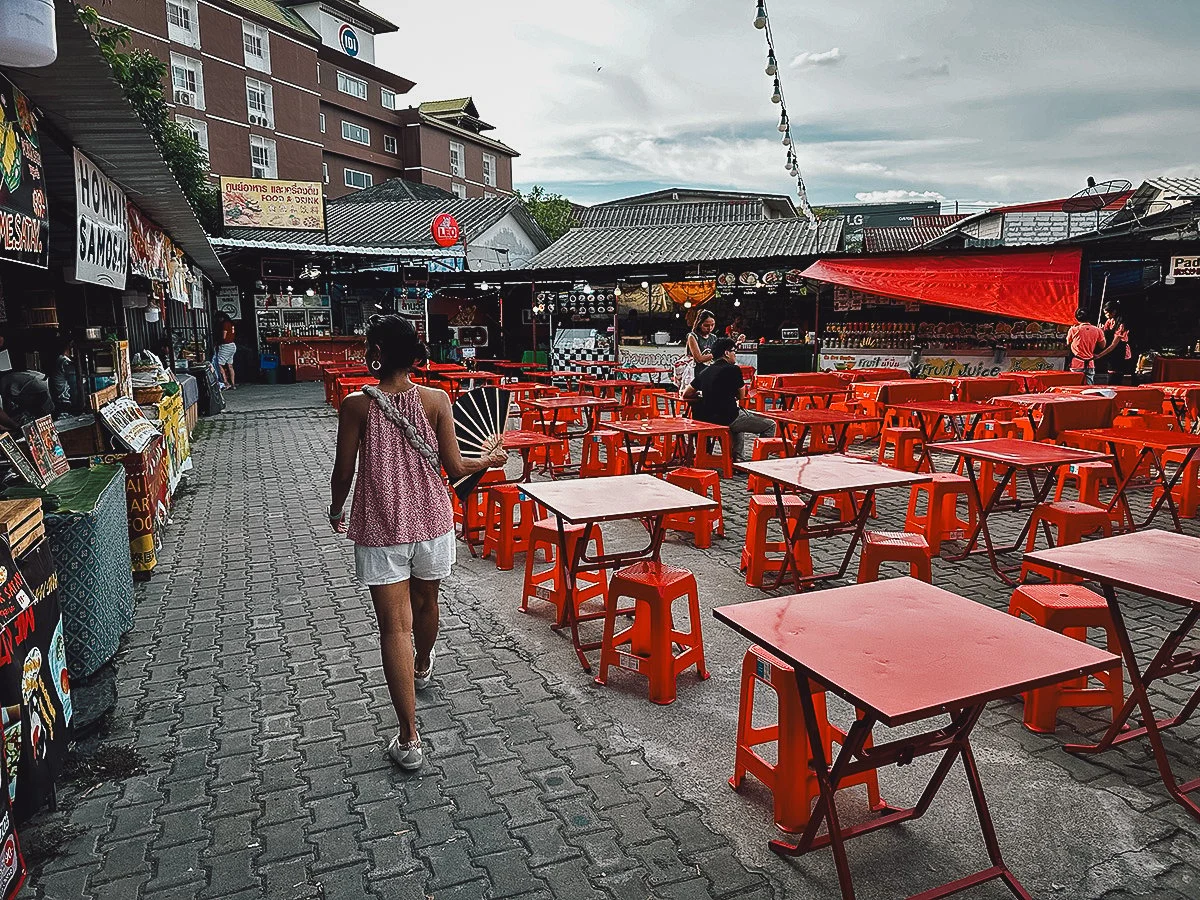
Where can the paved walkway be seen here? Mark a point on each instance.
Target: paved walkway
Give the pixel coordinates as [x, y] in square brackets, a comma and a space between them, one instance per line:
[245, 756]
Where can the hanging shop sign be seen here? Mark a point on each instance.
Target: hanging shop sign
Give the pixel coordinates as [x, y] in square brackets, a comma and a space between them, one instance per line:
[102, 227]
[229, 301]
[445, 230]
[147, 247]
[1185, 267]
[24, 221]
[271, 203]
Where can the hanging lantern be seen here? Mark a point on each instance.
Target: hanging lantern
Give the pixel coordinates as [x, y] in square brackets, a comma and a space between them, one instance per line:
[783, 121]
[27, 38]
[760, 15]
[777, 97]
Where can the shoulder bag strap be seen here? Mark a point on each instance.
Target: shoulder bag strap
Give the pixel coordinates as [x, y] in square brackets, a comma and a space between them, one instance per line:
[406, 427]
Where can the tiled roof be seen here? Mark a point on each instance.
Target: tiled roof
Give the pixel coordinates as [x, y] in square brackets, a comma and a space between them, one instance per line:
[1186, 186]
[442, 107]
[407, 223]
[898, 238]
[280, 15]
[666, 244]
[940, 221]
[671, 214]
[396, 189]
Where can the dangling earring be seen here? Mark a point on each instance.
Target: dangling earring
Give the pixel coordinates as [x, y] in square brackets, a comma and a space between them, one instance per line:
[375, 366]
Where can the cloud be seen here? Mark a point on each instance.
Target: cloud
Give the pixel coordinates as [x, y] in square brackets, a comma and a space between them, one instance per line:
[827, 58]
[895, 196]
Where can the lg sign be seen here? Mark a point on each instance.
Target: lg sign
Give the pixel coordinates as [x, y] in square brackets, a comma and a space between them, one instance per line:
[349, 40]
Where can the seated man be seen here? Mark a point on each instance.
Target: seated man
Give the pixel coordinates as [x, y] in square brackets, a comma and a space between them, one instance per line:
[715, 394]
[24, 396]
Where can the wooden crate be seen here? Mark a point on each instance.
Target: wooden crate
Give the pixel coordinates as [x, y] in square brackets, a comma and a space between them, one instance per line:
[22, 522]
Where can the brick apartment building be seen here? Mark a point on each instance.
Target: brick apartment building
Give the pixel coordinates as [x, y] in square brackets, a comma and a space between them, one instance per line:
[290, 90]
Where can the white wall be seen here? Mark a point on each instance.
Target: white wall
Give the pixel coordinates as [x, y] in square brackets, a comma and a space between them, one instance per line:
[329, 27]
[506, 234]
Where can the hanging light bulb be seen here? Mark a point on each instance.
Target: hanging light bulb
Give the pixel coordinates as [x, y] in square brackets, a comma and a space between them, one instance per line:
[778, 95]
[483, 285]
[645, 285]
[783, 121]
[760, 15]
[787, 140]
[617, 291]
[687, 304]
[772, 66]
[737, 301]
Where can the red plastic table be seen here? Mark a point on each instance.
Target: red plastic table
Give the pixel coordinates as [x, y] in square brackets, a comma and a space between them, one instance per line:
[814, 477]
[1156, 564]
[345, 385]
[653, 373]
[590, 501]
[1144, 398]
[859, 375]
[619, 388]
[1042, 381]
[1050, 415]
[796, 426]
[979, 388]
[456, 380]
[929, 414]
[1015, 456]
[1184, 397]
[1151, 444]
[517, 367]
[551, 409]
[902, 651]
[683, 432]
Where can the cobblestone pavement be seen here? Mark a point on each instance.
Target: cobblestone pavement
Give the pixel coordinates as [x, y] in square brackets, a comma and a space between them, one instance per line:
[252, 716]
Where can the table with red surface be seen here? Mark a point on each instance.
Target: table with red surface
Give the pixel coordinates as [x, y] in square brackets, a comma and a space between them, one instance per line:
[331, 373]
[1166, 567]
[902, 652]
[527, 390]
[817, 477]
[346, 385]
[623, 389]
[979, 389]
[795, 426]
[552, 375]
[859, 375]
[508, 367]
[1013, 455]
[787, 391]
[652, 373]
[1032, 382]
[960, 418]
[1184, 396]
[1150, 445]
[1143, 398]
[455, 381]
[1050, 415]
[591, 501]
[551, 412]
[682, 435]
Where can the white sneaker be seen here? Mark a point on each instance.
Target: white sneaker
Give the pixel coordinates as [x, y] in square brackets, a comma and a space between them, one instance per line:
[421, 679]
[409, 757]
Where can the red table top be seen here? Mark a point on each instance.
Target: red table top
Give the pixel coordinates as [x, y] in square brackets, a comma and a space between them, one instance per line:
[1017, 453]
[663, 425]
[1155, 438]
[1043, 380]
[813, 416]
[643, 370]
[804, 391]
[608, 382]
[517, 386]
[945, 407]
[614, 497]
[520, 440]
[509, 364]
[356, 380]
[1156, 563]
[557, 373]
[458, 377]
[830, 473]
[857, 375]
[571, 402]
[907, 650]
[871, 389]
[443, 367]
[1125, 396]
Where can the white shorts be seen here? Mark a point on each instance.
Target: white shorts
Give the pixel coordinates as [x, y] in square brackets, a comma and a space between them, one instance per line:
[226, 353]
[429, 560]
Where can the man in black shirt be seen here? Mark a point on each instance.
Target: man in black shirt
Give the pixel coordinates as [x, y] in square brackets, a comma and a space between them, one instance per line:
[715, 393]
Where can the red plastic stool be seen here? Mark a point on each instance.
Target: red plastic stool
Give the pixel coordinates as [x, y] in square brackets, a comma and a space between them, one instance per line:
[509, 523]
[847, 503]
[547, 584]
[1071, 523]
[1070, 610]
[791, 780]
[552, 454]
[940, 520]
[894, 546]
[706, 459]
[476, 505]
[989, 476]
[1186, 492]
[759, 555]
[531, 420]
[764, 448]
[1087, 478]
[701, 524]
[627, 458]
[905, 444]
[591, 463]
[652, 637]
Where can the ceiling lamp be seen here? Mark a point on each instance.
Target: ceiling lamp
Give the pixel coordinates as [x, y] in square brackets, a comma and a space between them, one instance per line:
[27, 40]
[760, 15]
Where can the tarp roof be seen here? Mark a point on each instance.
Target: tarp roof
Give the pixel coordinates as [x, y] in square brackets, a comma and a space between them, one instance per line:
[1041, 285]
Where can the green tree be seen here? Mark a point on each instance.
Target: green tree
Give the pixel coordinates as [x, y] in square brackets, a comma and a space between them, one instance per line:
[141, 76]
[825, 212]
[553, 212]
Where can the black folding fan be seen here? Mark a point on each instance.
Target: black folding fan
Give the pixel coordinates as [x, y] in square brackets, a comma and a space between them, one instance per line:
[480, 416]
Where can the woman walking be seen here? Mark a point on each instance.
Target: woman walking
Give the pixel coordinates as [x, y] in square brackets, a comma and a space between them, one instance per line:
[401, 435]
[226, 350]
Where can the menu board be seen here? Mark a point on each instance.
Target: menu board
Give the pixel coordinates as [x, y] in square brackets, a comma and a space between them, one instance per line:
[24, 220]
[129, 424]
[19, 461]
[46, 449]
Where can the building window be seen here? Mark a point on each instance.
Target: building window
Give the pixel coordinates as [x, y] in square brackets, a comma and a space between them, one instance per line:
[459, 190]
[357, 179]
[196, 128]
[262, 157]
[259, 103]
[321, 118]
[387, 98]
[183, 26]
[389, 144]
[489, 169]
[356, 133]
[187, 79]
[325, 172]
[355, 87]
[457, 157]
[256, 41]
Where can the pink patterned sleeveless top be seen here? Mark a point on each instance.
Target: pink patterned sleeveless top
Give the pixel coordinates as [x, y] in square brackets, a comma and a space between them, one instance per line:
[398, 499]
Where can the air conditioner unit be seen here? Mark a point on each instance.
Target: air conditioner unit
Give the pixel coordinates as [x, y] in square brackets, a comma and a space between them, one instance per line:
[258, 120]
[187, 98]
[470, 335]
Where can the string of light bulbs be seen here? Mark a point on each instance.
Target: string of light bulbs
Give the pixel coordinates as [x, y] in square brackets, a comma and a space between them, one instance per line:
[762, 21]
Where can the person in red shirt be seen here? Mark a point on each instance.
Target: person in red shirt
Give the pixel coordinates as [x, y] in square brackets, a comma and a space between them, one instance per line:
[1084, 340]
[226, 350]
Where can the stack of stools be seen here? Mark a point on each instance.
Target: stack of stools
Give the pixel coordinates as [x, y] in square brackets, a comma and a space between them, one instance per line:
[548, 584]
[764, 448]
[760, 556]
[941, 520]
[700, 524]
[1070, 522]
[791, 780]
[905, 444]
[654, 586]
[1087, 478]
[707, 459]
[1071, 610]
[508, 523]
[591, 462]
[552, 454]
[893, 546]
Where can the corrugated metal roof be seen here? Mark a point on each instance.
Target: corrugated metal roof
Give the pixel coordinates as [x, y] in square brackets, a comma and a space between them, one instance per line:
[79, 96]
[667, 244]
[898, 238]
[672, 214]
[280, 15]
[347, 249]
[396, 189]
[407, 224]
[1186, 186]
[940, 221]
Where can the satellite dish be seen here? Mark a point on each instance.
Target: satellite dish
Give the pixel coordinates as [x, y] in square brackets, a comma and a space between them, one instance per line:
[1096, 196]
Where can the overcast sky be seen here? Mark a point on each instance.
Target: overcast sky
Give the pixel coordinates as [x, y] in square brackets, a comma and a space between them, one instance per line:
[972, 100]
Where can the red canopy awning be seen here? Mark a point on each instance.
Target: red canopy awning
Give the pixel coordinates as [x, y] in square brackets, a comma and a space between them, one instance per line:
[1042, 284]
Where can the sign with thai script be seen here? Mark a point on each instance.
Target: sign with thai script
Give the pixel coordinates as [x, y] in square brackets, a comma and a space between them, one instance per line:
[101, 227]
[24, 221]
[270, 203]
